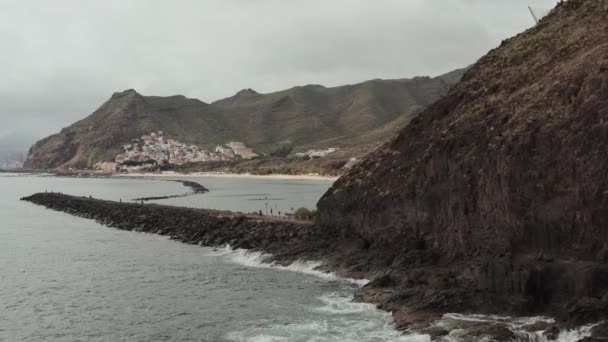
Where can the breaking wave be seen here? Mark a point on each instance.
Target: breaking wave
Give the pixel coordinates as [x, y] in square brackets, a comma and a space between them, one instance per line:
[516, 325]
[260, 260]
[337, 318]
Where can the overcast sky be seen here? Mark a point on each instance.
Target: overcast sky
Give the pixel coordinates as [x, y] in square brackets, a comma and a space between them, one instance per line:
[60, 59]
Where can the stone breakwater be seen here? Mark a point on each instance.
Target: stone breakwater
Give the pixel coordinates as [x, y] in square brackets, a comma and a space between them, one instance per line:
[197, 189]
[349, 257]
[287, 241]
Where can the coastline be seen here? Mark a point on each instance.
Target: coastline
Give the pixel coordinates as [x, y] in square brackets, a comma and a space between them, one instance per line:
[228, 175]
[285, 243]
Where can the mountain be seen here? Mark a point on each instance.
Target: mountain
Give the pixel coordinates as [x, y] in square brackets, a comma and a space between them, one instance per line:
[301, 116]
[495, 198]
[125, 116]
[312, 113]
[13, 147]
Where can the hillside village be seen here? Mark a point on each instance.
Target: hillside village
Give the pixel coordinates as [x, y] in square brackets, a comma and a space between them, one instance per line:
[153, 150]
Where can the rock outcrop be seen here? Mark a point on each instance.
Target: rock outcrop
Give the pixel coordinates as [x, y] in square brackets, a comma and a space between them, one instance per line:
[495, 198]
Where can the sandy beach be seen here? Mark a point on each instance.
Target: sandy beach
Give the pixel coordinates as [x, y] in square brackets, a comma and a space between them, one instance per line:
[229, 175]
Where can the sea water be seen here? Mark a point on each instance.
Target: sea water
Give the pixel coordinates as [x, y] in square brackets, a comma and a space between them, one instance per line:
[64, 278]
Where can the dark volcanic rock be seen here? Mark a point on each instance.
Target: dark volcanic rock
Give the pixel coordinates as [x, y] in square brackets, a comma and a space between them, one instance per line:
[495, 199]
[196, 187]
[600, 331]
[551, 333]
[287, 241]
[495, 332]
[435, 332]
[196, 190]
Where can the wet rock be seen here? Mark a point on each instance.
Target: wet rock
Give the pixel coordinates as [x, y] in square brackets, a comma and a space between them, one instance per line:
[196, 187]
[495, 332]
[588, 309]
[600, 331]
[381, 282]
[435, 332]
[537, 326]
[551, 333]
[602, 255]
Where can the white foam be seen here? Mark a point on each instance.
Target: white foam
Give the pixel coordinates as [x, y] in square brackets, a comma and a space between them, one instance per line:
[367, 329]
[337, 319]
[338, 304]
[324, 331]
[517, 326]
[517, 322]
[260, 260]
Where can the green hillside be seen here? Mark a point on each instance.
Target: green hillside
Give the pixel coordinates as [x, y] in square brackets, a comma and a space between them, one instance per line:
[358, 116]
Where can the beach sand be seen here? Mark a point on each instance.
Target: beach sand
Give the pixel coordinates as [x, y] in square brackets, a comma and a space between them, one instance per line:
[228, 175]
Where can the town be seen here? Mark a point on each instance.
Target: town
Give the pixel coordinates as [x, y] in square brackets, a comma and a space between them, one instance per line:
[152, 150]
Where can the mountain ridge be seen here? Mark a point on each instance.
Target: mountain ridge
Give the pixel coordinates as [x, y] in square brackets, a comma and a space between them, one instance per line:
[303, 115]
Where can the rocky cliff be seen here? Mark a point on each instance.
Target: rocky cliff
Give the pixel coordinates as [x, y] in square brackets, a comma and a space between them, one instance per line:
[346, 116]
[495, 198]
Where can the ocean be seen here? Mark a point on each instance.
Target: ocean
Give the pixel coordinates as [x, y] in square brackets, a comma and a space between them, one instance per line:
[67, 279]
[64, 278]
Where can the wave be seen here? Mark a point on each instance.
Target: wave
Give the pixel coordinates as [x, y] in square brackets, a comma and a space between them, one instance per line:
[338, 319]
[336, 303]
[515, 324]
[260, 260]
[349, 314]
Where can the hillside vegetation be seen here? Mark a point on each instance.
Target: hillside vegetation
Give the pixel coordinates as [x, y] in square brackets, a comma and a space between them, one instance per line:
[302, 117]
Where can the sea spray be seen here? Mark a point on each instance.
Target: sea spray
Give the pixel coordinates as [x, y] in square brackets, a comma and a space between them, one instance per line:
[346, 324]
[263, 260]
[518, 325]
[337, 318]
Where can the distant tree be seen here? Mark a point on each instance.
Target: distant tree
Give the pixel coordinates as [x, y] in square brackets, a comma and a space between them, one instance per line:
[337, 164]
[138, 163]
[281, 151]
[304, 214]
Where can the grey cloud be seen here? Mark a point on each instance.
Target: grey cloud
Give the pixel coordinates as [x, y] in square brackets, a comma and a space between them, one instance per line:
[61, 59]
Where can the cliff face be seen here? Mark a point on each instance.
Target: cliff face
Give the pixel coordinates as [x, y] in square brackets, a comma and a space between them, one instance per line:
[301, 115]
[495, 198]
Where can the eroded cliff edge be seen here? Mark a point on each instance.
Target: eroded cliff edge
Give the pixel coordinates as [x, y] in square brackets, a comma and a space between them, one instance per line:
[495, 199]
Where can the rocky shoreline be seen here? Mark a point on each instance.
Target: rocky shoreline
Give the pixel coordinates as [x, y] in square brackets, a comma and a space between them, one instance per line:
[285, 240]
[288, 242]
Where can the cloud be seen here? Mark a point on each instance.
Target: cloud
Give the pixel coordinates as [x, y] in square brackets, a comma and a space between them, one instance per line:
[61, 59]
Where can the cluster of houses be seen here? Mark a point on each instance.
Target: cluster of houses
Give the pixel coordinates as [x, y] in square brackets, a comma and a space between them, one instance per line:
[314, 154]
[12, 161]
[153, 149]
[11, 164]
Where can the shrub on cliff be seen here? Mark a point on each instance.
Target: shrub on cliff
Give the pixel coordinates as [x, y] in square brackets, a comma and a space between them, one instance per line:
[281, 151]
[337, 164]
[304, 214]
